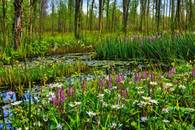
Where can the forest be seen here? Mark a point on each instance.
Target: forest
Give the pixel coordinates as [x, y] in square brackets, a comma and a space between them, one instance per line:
[97, 64]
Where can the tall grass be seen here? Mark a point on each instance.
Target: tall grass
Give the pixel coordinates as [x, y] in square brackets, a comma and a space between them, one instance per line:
[164, 48]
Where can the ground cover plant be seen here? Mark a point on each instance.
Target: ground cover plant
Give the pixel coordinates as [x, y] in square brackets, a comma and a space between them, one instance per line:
[149, 99]
[97, 64]
[162, 48]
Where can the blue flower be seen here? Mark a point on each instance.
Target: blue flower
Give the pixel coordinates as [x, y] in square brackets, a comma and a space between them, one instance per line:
[9, 96]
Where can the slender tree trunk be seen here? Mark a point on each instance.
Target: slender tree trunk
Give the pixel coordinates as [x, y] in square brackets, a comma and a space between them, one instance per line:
[17, 25]
[91, 15]
[172, 16]
[158, 14]
[87, 18]
[100, 26]
[190, 19]
[4, 26]
[52, 18]
[148, 15]
[77, 18]
[177, 17]
[125, 15]
[113, 16]
[107, 15]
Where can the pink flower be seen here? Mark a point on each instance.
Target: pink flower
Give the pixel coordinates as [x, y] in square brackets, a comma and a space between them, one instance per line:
[109, 82]
[152, 76]
[70, 91]
[145, 74]
[137, 77]
[120, 78]
[101, 83]
[193, 72]
[59, 97]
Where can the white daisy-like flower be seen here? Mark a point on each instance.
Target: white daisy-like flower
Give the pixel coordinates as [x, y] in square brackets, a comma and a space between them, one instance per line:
[140, 92]
[146, 98]
[168, 85]
[172, 89]
[16, 103]
[91, 114]
[154, 101]
[51, 95]
[59, 127]
[153, 83]
[165, 110]
[144, 118]
[182, 87]
[166, 121]
[116, 106]
[77, 103]
[71, 104]
[100, 96]
[113, 125]
[104, 104]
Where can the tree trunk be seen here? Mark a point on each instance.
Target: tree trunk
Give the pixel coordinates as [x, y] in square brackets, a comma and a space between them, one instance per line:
[4, 26]
[77, 18]
[125, 15]
[91, 15]
[113, 16]
[17, 25]
[107, 15]
[52, 18]
[100, 15]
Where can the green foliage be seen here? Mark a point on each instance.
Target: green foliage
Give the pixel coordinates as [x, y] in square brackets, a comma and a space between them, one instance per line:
[39, 72]
[164, 48]
[126, 105]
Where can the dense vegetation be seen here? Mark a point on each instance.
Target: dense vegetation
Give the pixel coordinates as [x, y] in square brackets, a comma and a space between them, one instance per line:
[97, 64]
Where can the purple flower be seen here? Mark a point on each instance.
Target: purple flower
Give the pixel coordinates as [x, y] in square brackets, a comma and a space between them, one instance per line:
[61, 95]
[137, 77]
[54, 100]
[110, 82]
[152, 76]
[170, 75]
[193, 72]
[70, 91]
[84, 85]
[59, 98]
[120, 78]
[101, 83]
[145, 74]
[173, 70]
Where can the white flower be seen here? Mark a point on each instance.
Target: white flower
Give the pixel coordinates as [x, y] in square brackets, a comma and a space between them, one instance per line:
[107, 91]
[100, 96]
[165, 110]
[140, 92]
[168, 85]
[113, 125]
[59, 127]
[153, 83]
[77, 103]
[144, 119]
[116, 106]
[104, 104]
[154, 101]
[16, 103]
[91, 114]
[51, 95]
[146, 98]
[182, 87]
[71, 104]
[172, 89]
[114, 87]
[166, 121]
